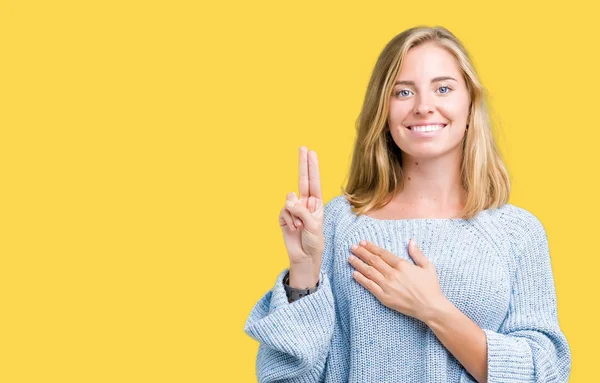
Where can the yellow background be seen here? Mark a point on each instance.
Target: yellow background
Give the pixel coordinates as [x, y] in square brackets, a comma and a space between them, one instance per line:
[147, 146]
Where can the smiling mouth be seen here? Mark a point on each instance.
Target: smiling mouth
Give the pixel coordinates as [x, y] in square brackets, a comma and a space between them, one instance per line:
[427, 128]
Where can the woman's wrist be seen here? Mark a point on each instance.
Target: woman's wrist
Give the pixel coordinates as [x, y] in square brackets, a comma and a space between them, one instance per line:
[293, 294]
[303, 276]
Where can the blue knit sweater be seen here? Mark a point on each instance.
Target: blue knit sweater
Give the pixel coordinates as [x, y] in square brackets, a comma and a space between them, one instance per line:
[495, 268]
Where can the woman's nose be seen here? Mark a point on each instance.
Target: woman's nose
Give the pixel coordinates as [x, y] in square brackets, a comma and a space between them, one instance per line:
[423, 105]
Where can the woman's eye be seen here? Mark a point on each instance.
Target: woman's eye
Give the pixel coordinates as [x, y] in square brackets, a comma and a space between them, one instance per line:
[445, 87]
[402, 93]
[406, 92]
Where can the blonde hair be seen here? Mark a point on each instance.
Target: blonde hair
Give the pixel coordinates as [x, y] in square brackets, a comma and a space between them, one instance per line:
[376, 169]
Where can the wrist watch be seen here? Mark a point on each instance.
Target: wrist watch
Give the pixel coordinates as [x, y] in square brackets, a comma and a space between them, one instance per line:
[295, 294]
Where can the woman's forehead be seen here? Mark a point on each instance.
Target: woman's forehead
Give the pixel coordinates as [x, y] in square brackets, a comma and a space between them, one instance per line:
[426, 62]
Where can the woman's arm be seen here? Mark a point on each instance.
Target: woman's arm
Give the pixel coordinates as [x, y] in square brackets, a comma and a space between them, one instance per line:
[462, 337]
[294, 338]
[529, 346]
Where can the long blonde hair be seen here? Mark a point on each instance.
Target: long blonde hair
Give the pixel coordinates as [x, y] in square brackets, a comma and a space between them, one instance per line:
[376, 169]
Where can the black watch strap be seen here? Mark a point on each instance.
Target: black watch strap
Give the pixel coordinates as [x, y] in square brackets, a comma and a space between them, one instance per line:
[295, 294]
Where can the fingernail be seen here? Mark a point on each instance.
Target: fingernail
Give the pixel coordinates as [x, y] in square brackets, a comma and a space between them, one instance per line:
[411, 242]
[290, 204]
[298, 222]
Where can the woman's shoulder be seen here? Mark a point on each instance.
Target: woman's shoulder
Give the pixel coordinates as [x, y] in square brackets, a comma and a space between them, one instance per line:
[337, 203]
[521, 226]
[518, 218]
[336, 208]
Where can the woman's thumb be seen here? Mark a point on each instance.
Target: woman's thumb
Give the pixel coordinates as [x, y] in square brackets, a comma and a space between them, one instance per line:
[301, 212]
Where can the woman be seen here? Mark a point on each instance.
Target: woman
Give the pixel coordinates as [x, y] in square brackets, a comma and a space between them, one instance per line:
[470, 299]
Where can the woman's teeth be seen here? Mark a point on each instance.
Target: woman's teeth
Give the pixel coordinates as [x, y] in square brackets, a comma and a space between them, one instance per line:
[426, 128]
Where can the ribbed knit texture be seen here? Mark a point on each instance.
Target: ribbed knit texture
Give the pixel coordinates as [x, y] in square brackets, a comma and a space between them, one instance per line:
[495, 268]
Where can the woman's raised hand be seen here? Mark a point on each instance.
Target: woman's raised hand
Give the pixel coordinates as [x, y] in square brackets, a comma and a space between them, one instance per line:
[301, 221]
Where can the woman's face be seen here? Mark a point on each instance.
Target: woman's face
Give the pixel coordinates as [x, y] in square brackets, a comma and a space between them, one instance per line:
[429, 90]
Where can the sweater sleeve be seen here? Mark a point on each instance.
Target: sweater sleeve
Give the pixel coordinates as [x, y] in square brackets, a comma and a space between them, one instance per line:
[529, 346]
[294, 338]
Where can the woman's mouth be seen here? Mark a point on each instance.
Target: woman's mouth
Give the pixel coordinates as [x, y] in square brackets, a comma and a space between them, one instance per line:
[426, 130]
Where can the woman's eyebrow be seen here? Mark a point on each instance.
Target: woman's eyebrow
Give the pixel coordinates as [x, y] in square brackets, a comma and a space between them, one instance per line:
[435, 79]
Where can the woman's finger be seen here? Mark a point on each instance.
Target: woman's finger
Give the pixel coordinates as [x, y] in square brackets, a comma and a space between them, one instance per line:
[417, 255]
[303, 183]
[294, 199]
[318, 208]
[387, 256]
[368, 264]
[285, 218]
[314, 176]
[300, 211]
